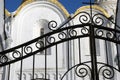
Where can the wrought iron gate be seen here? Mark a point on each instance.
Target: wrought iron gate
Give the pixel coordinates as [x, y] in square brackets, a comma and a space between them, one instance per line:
[61, 59]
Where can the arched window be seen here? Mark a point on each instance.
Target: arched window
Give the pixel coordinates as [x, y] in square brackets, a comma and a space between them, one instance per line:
[40, 29]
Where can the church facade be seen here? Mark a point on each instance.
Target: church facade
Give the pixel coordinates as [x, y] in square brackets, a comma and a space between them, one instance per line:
[36, 18]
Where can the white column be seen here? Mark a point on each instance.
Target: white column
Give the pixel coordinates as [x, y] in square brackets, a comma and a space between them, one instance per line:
[1, 34]
[1, 23]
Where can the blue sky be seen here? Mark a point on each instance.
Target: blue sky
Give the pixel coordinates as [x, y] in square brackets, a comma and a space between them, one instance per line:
[70, 5]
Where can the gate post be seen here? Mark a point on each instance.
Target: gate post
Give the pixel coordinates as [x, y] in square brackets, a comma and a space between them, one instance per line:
[94, 73]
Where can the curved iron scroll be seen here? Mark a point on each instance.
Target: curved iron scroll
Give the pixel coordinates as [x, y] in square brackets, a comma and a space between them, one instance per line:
[84, 69]
[32, 47]
[97, 21]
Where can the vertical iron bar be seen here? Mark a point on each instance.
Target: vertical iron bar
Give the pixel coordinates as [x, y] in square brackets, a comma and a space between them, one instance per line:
[21, 65]
[117, 47]
[21, 71]
[118, 58]
[56, 64]
[68, 49]
[93, 54]
[106, 51]
[68, 63]
[5, 35]
[68, 56]
[45, 61]
[33, 66]
[117, 25]
[116, 35]
[79, 50]
[9, 72]
[1, 43]
[93, 48]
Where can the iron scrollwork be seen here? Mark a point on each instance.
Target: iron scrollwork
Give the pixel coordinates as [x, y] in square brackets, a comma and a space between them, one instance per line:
[73, 33]
[107, 72]
[99, 32]
[39, 44]
[62, 35]
[110, 35]
[84, 17]
[107, 34]
[98, 20]
[28, 49]
[3, 59]
[85, 30]
[50, 39]
[52, 25]
[83, 71]
[16, 54]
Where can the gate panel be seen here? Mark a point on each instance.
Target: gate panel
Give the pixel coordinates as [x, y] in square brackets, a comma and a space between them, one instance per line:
[78, 52]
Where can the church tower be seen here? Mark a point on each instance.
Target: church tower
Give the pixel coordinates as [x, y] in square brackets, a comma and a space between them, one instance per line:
[35, 18]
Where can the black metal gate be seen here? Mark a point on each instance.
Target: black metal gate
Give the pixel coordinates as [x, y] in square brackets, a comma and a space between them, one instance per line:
[57, 55]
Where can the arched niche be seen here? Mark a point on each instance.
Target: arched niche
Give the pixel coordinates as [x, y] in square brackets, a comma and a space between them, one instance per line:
[30, 15]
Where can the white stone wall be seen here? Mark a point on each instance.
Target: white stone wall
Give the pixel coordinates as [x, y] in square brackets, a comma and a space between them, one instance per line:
[1, 16]
[109, 6]
[24, 28]
[1, 22]
[28, 17]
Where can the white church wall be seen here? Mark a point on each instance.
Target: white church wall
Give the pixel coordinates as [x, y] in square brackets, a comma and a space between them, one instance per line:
[23, 30]
[1, 16]
[1, 23]
[110, 7]
[27, 25]
[29, 16]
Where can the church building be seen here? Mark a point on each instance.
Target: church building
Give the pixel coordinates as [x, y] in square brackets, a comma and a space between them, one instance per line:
[49, 20]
